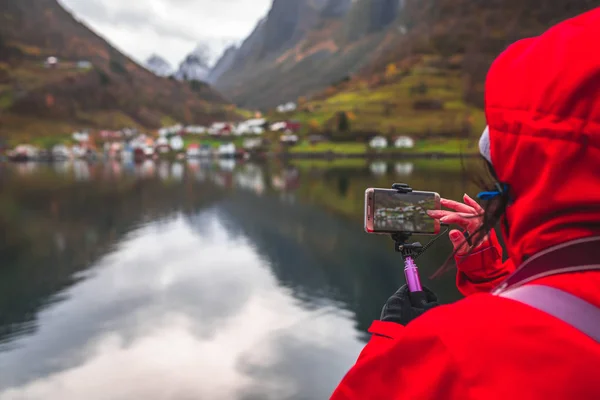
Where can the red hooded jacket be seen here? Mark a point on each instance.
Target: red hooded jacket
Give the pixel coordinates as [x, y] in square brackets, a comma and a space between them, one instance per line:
[543, 111]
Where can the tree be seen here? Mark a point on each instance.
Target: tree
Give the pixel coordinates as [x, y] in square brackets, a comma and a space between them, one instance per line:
[391, 70]
[343, 122]
[314, 126]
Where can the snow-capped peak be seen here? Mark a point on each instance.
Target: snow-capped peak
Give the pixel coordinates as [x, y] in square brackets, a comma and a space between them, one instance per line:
[196, 66]
[159, 66]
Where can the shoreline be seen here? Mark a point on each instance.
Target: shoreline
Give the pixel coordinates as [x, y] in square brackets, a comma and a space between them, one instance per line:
[328, 156]
[370, 156]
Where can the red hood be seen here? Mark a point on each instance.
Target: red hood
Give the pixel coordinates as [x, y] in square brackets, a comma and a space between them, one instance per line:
[543, 111]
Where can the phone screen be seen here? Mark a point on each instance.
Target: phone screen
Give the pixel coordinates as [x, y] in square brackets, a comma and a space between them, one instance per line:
[403, 212]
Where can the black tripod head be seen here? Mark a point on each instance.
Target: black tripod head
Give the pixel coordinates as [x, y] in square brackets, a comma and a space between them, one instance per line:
[400, 238]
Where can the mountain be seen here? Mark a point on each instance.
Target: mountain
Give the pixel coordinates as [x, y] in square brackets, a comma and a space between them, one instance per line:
[223, 64]
[335, 8]
[465, 35]
[251, 46]
[92, 86]
[425, 73]
[303, 46]
[301, 49]
[195, 67]
[159, 66]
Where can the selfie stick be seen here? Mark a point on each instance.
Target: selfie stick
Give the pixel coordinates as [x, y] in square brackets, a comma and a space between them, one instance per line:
[409, 253]
[412, 275]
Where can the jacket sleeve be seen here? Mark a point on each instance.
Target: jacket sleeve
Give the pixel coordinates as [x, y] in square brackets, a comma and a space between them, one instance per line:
[482, 270]
[400, 362]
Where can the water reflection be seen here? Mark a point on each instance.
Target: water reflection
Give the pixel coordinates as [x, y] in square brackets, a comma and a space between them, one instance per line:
[170, 316]
[404, 169]
[195, 279]
[379, 168]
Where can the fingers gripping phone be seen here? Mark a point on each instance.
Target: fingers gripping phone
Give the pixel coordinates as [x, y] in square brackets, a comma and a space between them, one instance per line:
[389, 211]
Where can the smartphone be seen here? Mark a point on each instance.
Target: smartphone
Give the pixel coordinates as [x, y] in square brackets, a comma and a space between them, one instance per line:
[389, 211]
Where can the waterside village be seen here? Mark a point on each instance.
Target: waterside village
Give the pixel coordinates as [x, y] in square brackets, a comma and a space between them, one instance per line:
[253, 137]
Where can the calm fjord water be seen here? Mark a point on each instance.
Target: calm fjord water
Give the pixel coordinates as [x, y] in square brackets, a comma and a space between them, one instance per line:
[196, 281]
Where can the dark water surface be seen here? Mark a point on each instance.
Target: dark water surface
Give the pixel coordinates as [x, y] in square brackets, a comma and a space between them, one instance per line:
[196, 281]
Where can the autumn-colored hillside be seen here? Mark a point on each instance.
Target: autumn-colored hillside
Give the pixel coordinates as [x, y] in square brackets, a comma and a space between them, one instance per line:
[460, 37]
[110, 92]
[415, 98]
[426, 75]
[475, 32]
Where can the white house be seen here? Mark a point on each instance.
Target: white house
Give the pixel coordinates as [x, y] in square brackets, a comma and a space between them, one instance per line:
[378, 142]
[278, 126]
[196, 130]
[176, 143]
[170, 130]
[288, 107]
[289, 139]
[25, 150]
[251, 126]
[216, 128]
[227, 150]
[51, 62]
[148, 151]
[404, 142]
[81, 136]
[60, 152]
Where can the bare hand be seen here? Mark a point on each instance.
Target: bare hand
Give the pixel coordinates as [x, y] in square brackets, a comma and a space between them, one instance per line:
[468, 216]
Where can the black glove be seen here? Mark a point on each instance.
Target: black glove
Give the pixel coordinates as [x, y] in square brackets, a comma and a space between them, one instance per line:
[404, 306]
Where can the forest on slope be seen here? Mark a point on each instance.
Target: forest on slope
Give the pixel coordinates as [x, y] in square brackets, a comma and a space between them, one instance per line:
[414, 66]
[92, 86]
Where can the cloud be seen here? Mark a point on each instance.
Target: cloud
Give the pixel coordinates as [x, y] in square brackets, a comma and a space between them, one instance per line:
[169, 316]
[169, 28]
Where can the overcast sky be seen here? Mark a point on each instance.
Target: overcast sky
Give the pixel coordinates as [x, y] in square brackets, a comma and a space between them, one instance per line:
[169, 28]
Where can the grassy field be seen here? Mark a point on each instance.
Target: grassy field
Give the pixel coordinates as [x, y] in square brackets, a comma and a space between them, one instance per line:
[439, 146]
[187, 140]
[390, 104]
[342, 148]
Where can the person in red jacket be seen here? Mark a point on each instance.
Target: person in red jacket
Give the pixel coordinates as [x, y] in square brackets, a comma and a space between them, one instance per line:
[528, 328]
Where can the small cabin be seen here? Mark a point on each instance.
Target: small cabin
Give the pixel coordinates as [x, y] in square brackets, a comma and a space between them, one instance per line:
[227, 149]
[196, 130]
[60, 152]
[404, 142]
[278, 126]
[218, 128]
[51, 62]
[81, 137]
[176, 143]
[378, 142]
[288, 139]
[288, 107]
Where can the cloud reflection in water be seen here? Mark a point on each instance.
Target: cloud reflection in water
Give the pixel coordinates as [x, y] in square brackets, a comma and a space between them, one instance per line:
[181, 313]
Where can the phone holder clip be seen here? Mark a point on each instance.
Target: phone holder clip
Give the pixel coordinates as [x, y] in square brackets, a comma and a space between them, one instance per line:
[400, 246]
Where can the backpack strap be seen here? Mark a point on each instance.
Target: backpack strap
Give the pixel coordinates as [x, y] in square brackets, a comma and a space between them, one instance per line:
[570, 309]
